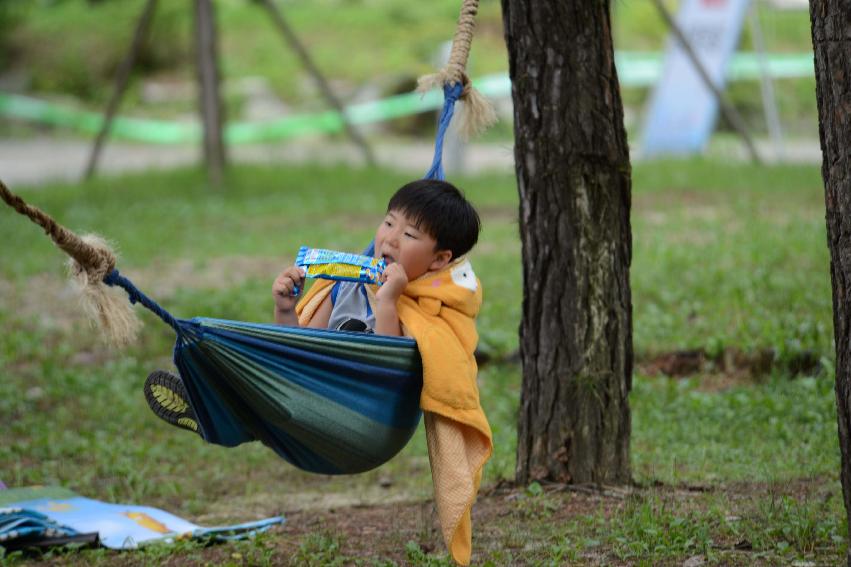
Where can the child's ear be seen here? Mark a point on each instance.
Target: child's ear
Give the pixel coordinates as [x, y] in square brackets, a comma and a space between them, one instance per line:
[441, 260]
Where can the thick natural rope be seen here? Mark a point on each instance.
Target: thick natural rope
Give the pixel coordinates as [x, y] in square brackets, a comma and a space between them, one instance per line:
[478, 113]
[92, 259]
[457, 66]
[97, 261]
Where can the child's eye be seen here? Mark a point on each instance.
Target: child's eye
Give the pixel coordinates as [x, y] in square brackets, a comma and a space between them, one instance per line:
[387, 223]
[409, 235]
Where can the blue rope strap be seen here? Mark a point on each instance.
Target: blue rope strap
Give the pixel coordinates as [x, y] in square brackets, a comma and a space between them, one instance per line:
[136, 296]
[451, 94]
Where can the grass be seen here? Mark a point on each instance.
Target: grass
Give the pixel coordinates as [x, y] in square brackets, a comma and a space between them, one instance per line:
[725, 255]
[748, 269]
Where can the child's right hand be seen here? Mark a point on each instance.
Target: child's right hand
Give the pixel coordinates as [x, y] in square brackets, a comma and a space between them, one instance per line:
[282, 289]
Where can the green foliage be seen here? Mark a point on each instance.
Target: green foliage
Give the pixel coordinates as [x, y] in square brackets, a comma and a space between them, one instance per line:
[638, 26]
[388, 39]
[10, 16]
[387, 43]
[95, 42]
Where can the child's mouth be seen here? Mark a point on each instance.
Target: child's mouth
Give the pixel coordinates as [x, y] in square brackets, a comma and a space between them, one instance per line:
[388, 259]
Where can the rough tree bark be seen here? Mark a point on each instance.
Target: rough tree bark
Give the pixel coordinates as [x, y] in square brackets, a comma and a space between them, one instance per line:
[574, 178]
[831, 29]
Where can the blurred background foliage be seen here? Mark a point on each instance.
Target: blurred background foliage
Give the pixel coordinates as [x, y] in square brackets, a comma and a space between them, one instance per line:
[368, 48]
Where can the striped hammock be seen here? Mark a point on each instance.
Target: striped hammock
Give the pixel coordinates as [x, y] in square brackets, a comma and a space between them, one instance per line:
[330, 402]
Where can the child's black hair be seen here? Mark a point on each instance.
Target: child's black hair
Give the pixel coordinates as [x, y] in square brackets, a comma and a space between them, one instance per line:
[440, 209]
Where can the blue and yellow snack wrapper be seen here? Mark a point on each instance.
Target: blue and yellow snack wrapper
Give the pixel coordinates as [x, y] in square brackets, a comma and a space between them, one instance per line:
[339, 266]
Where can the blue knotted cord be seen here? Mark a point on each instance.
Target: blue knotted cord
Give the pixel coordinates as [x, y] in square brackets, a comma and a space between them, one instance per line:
[451, 94]
[136, 296]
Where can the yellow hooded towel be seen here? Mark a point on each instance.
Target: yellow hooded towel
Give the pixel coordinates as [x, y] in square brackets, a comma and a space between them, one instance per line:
[438, 310]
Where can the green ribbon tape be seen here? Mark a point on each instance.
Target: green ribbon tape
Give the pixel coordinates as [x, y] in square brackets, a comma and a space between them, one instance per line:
[635, 69]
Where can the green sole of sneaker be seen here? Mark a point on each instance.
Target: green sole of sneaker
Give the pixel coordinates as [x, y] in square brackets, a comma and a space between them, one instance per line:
[167, 398]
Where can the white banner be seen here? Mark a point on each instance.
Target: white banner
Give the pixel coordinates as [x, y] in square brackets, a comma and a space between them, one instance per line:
[682, 110]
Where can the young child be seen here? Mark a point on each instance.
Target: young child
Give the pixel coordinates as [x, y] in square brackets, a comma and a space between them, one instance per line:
[430, 289]
[428, 224]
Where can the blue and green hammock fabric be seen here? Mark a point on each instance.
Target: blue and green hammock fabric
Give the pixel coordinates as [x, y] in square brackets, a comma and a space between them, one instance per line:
[326, 401]
[331, 402]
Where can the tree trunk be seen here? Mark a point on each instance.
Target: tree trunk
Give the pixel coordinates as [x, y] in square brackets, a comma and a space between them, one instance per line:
[831, 27]
[122, 79]
[574, 178]
[212, 110]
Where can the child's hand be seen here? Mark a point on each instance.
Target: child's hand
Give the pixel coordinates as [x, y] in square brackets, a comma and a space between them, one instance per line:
[394, 280]
[282, 289]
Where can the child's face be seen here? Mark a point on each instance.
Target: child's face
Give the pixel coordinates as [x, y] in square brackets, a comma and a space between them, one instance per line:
[399, 240]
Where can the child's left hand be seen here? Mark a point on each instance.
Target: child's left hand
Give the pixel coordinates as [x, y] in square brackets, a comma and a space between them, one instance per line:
[394, 280]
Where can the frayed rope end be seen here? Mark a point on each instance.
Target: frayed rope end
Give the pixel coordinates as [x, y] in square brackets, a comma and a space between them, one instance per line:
[475, 115]
[106, 308]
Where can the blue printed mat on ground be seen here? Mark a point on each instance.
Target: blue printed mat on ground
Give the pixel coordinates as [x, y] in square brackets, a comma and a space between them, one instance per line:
[41, 515]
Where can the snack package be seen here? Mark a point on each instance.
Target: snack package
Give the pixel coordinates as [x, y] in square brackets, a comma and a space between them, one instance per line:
[339, 266]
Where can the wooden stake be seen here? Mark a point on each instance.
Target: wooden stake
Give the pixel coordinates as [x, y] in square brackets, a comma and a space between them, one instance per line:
[294, 43]
[122, 79]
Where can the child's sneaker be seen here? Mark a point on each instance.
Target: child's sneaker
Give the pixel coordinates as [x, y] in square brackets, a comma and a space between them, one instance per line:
[167, 397]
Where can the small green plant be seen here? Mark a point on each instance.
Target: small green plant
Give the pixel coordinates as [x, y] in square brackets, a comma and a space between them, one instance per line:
[535, 503]
[648, 528]
[787, 524]
[322, 549]
[418, 557]
[564, 551]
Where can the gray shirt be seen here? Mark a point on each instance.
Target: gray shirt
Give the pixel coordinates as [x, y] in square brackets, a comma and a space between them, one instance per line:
[349, 301]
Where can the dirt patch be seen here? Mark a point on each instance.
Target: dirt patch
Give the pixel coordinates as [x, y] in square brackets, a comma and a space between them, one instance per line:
[725, 369]
[502, 518]
[732, 363]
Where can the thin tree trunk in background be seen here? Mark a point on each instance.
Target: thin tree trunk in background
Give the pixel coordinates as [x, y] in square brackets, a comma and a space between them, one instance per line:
[574, 179]
[212, 110]
[122, 78]
[831, 31]
[324, 88]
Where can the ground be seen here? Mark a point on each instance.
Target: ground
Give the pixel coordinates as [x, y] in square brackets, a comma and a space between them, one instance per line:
[552, 525]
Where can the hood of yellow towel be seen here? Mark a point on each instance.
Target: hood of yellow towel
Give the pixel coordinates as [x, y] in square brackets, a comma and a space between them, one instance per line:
[438, 310]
